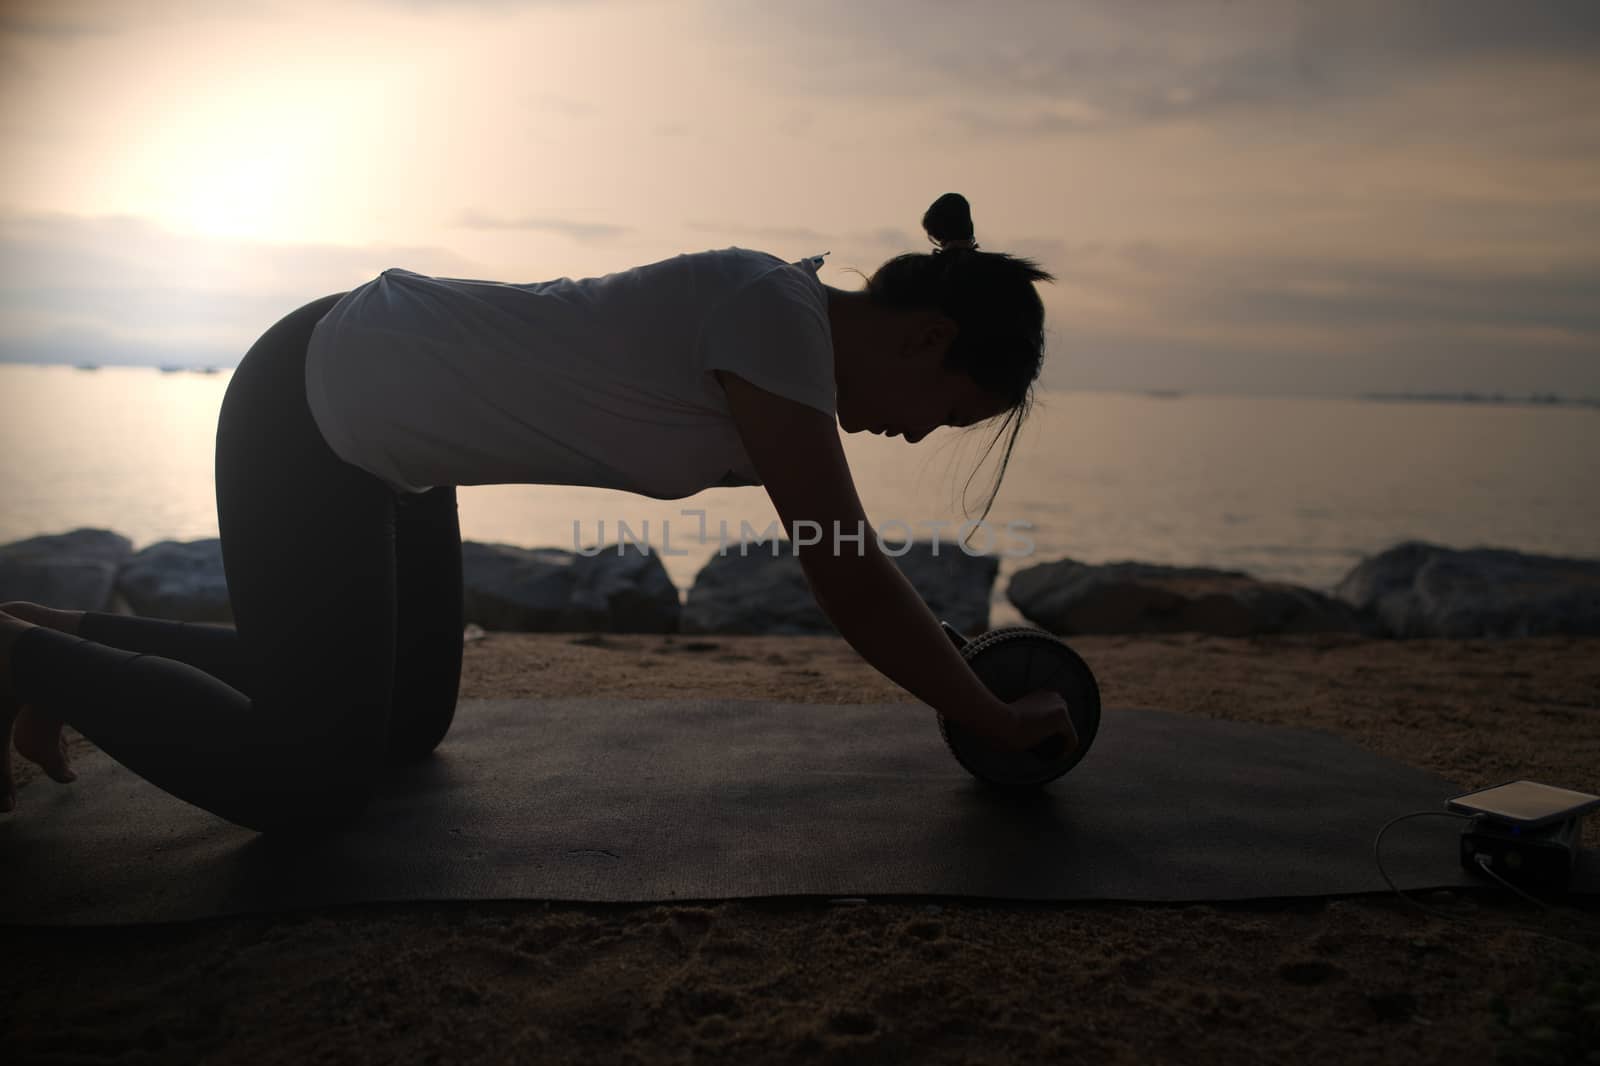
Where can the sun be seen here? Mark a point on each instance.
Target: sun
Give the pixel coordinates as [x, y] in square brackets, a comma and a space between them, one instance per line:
[246, 194]
[257, 156]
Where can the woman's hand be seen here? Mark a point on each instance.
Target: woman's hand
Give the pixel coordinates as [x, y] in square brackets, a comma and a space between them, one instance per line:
[1040, 716]
[1017, 726]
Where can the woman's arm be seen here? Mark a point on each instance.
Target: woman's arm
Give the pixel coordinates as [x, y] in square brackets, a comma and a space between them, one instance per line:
[796, 451]
[878, 612]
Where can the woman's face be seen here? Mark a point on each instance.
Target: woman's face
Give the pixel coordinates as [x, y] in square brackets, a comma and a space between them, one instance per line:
[918, 404]
[907, 393]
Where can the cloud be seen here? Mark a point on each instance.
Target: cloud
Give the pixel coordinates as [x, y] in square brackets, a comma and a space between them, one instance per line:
[122, 290]
[1087, 356]
[457, 6]
[583, 232]
[1366, 321]
[775, 233]
[68, 21]
[50, 24]
[880, 243]
[1108, 63]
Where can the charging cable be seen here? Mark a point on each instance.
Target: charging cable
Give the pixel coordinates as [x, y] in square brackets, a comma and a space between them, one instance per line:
[1482, 862]
[1378, 859]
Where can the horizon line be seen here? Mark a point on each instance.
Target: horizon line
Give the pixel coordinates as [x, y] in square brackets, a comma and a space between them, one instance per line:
[1465, 396]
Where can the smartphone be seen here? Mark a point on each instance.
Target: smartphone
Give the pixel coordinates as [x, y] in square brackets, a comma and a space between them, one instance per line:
[1525, 803]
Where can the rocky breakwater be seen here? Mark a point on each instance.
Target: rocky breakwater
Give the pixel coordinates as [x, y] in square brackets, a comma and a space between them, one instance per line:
[758, 591]
[1413, 589]
[1417, 589]
[503, 587]
[554, 590]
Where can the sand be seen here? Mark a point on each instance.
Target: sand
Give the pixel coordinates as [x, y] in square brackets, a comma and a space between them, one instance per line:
[1360, 979]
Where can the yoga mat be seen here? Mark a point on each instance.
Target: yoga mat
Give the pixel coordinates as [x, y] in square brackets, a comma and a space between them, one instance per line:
[605, 799]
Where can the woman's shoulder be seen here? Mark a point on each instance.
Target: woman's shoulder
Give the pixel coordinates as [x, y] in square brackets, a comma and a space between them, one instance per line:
[760, 259]
[736, 256]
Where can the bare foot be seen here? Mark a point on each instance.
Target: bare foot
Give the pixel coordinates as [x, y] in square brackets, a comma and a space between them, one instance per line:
[10, 629]
[37, 736]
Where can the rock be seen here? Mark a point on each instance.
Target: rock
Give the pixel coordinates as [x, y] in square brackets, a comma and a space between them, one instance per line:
[957, 587]
[515, 589]
[756, 592]
[628, 592]
[753, 593]
[1416, 589]
[177, 580]
[1069, 597]
[553, 590]
[74, 571]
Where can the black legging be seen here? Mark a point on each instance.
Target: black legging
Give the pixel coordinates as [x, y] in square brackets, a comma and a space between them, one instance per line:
[346, 646]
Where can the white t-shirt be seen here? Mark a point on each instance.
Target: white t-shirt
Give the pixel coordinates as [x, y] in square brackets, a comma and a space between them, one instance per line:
[605, 381]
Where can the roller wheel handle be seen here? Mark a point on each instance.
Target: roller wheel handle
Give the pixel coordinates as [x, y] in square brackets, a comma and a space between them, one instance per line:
[1048, 749]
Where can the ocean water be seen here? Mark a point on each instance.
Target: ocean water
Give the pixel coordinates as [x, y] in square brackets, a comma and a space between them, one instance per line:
[1295, 489]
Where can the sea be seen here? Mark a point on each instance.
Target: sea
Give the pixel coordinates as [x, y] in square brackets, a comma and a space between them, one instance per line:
[1286, 488]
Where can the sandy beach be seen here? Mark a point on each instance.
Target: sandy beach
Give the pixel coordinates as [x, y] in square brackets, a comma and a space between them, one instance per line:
[915, 980]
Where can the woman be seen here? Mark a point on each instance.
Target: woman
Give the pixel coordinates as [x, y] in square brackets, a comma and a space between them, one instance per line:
[348, 424]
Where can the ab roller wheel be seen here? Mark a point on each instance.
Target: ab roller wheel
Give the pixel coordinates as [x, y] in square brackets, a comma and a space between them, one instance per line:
[1013, 661]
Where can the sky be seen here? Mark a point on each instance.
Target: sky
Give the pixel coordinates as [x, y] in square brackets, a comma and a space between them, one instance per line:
[1233, 196]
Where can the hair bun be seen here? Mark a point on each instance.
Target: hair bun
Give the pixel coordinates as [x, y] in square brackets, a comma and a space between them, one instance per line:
[949, 222]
